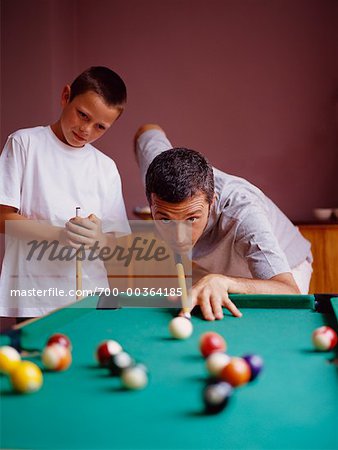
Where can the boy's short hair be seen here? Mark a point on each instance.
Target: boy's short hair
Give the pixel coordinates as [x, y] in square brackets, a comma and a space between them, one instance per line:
[104, 82]
[179, 173]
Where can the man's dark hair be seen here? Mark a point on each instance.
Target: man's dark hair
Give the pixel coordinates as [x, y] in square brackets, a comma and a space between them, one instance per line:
[104, 82]
[177, 174]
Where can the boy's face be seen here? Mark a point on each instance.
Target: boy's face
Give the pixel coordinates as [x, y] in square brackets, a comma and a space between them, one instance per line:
[84, 119]
[193, 211]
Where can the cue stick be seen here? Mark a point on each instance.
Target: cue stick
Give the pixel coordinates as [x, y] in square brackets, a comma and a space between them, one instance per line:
[78, 267]
[182, 284]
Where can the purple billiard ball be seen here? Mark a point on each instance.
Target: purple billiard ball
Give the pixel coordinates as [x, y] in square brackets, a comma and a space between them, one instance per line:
[256, 364]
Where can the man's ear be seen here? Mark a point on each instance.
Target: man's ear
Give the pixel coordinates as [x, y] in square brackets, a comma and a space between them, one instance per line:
[213, 199]
[65, 96]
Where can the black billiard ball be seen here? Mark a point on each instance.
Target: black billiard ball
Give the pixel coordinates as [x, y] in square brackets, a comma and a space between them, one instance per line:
[117, 363]
[216, 395]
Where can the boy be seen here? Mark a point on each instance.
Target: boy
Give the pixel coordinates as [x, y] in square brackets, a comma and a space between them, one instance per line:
[45, 173]
[241, 241]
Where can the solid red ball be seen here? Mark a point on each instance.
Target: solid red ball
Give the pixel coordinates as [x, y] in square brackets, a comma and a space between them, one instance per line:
[212, 342]
[61, 339]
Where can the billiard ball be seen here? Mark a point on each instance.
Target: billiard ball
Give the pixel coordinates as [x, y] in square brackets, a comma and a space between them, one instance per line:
[9, 359]
[61, 339]
[180, 328]
[26, 377]
[135, 377]
[211, 342]
[119, 362]
[324, 338]
[105, 350]
[216, 395]
[237, 372]
[256, 365]
[216, 361]
[56, 357]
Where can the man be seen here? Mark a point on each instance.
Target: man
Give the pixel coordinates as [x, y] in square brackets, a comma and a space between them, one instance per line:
[241, 241]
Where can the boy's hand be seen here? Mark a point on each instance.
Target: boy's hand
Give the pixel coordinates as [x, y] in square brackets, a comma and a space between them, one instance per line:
[211, 294]
[84, 231]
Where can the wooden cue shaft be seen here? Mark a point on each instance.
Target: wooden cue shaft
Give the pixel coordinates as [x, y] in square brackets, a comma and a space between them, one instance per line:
[78, 268]
[182, 284]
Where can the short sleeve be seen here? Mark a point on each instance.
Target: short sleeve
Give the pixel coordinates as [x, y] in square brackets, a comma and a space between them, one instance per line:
[114, 212]
[256, 242]
[12, 163]
[150, 144]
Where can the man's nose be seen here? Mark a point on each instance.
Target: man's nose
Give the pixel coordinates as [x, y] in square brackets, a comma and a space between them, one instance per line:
[181, 234]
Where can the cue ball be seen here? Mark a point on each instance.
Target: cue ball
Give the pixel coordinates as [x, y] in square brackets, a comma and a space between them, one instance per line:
[237, 372]
[215, 362]
[61, 339]
[324, 338]
[105, 350]
[180, 328]
[211, 342]
[26, 377]
[135, 377]
[256, 364]
[56, 357]
[9, 359]
[216, 395]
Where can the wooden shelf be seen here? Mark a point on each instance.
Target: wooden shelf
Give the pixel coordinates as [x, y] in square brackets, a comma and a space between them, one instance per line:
[324, 246]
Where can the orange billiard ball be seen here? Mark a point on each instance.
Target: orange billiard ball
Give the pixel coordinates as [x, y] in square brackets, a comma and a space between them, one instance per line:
[237, 372]
[56, 357]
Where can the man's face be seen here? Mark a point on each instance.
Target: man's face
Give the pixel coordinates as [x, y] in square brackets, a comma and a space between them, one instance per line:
[192, 216]
[84, 119]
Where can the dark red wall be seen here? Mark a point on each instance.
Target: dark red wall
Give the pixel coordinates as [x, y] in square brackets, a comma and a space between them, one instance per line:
[250, 83]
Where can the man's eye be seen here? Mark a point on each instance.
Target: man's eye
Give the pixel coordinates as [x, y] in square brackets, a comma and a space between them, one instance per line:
[101, 127]
[192, 219]
[165, 221]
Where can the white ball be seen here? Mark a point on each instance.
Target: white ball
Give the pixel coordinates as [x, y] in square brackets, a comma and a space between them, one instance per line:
[216, 361]
[180, 328]
[134, 377]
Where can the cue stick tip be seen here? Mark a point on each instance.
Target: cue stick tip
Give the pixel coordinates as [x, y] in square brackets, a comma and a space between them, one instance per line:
[187, 315]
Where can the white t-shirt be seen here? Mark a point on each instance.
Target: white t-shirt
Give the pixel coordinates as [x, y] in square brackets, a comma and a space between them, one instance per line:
[247, 235]
[46, 180]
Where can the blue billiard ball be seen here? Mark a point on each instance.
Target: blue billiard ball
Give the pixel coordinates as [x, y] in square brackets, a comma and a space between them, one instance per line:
[256, 364]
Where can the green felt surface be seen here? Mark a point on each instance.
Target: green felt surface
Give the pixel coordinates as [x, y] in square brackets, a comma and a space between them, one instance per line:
[292, 405]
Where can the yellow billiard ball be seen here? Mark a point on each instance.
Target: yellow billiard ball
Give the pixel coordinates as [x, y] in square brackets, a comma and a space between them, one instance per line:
[9, 359]
[26, 377]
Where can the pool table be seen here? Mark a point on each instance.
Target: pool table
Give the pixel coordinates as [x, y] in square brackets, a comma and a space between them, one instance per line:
[293, 404]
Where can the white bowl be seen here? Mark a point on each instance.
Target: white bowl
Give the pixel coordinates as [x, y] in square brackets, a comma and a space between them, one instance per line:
[323, 213]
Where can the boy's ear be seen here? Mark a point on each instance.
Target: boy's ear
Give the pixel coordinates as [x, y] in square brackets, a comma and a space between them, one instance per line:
[65, 96]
